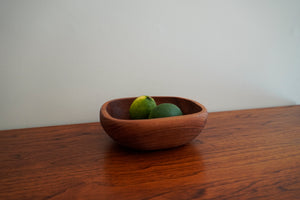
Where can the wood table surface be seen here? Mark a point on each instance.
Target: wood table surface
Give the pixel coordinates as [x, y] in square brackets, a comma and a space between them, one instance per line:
[245, 154]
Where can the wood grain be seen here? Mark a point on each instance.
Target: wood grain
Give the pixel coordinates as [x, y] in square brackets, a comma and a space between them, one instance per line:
[153, 134]
[247, 154]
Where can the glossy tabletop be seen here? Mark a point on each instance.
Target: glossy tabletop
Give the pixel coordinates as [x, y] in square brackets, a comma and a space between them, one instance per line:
[245, 154]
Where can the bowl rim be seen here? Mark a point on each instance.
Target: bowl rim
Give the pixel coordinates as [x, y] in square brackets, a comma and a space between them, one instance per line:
[105, 113]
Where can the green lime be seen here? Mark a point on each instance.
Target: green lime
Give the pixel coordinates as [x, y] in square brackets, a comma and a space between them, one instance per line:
[165, 110]
[141, 107]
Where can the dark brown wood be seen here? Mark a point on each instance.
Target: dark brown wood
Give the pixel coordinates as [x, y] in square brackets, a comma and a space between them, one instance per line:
[153, 134]
[247, 154]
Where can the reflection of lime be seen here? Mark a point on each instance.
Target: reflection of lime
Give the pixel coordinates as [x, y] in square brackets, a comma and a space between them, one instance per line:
[141, 107]
[165, 110]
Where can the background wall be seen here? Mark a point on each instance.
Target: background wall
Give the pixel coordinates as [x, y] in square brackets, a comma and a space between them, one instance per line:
[61, 60]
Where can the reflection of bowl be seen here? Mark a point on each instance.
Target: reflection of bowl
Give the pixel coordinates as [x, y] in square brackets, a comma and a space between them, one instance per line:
[153, 134]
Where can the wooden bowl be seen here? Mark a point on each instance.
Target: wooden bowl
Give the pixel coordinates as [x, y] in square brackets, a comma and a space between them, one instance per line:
[153, 134]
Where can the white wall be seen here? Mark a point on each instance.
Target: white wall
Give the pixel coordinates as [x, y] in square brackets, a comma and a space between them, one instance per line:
[61, 60]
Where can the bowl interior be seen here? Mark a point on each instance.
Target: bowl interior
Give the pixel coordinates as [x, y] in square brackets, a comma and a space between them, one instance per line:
[120, 108]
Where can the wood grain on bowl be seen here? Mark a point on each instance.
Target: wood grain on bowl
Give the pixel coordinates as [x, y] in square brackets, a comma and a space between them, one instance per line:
[153, 134]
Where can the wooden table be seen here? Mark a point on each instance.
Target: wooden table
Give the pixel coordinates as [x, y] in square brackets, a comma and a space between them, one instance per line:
[247, 154]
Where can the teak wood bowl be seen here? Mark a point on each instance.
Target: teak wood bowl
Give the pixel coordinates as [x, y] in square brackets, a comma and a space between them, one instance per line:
[153, 134]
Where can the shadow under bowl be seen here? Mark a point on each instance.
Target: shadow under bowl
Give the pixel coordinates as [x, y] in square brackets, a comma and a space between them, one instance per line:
[153, 134]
